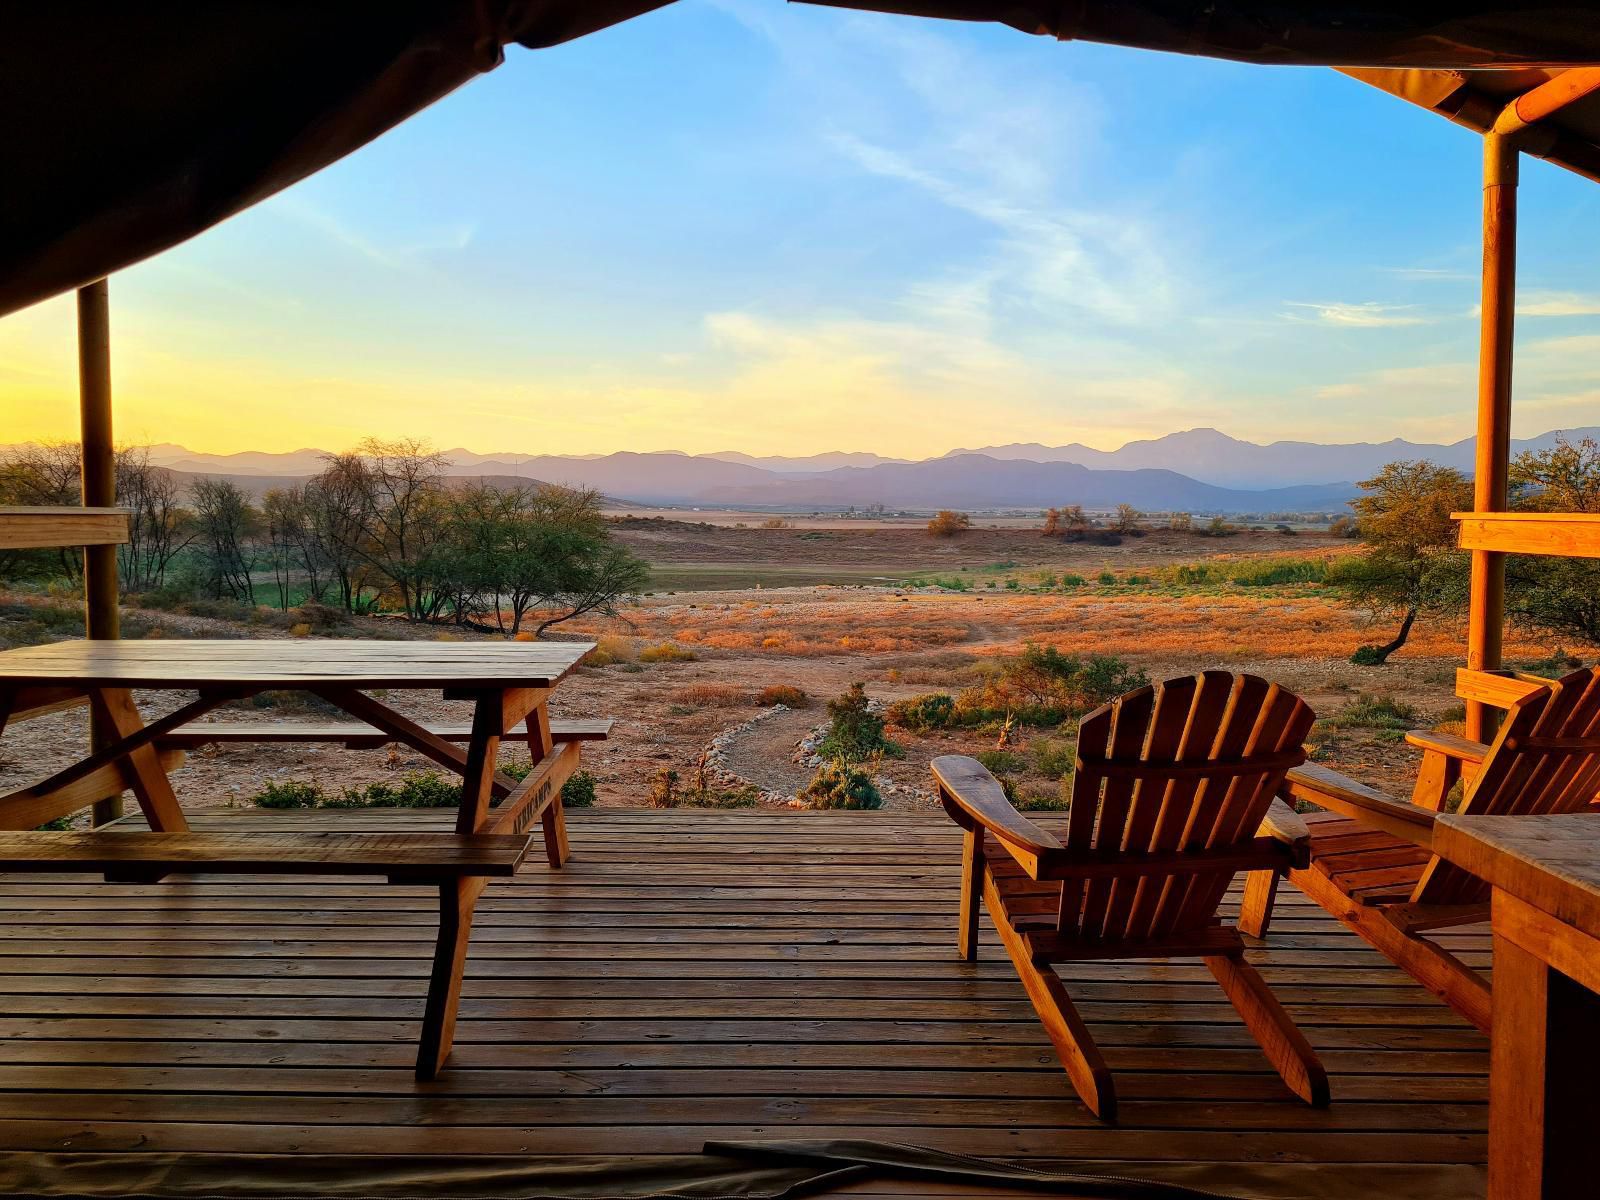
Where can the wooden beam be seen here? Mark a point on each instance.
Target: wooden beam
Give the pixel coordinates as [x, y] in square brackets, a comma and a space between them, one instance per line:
[1498, 689]
[1570, 535]
[102, 619]
[44, 528]
[1486, 613]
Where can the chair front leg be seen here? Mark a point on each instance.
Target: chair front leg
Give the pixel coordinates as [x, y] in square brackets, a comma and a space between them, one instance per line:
[1255, 911]
[972, 869]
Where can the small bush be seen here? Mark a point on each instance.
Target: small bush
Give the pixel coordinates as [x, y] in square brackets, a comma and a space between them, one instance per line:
[1275, 572]
[288, 795]
[1375, 712]
[948, 523]
[608, 650]
[711, 695]
[1369, 656]
[1002, 762]
[666, 652]
[578, 791]
[784, 694]
[1057, 801]
[855, 732]
[664, 788]
[1072, 581]
[1053, 756]
[1107, 579]
[839, 784]
[919, 714]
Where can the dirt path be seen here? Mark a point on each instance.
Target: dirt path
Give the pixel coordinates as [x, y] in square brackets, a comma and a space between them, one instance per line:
[763, 755]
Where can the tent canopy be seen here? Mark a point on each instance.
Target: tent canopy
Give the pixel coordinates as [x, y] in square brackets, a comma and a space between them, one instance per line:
[131, 128]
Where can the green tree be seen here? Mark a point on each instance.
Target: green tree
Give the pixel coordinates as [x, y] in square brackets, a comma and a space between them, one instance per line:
[1555, 594]
[1411, 564]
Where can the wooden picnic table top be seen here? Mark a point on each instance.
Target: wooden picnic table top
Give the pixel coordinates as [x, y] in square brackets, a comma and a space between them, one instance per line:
[286, 663]
[1550, 860]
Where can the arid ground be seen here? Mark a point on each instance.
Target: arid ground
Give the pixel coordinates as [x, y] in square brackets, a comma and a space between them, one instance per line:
[738, 610]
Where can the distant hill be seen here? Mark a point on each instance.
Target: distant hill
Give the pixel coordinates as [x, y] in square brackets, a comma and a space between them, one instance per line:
[810, 464]
[979, 481]
[1215, 457]
[1201, 470]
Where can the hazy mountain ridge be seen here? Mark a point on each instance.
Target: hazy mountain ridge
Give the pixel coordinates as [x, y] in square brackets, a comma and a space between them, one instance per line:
[1213, 456]
[1200, 470]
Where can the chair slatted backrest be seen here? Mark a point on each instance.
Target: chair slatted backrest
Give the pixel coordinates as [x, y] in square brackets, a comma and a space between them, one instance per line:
[1545, 759]
[1189, 764]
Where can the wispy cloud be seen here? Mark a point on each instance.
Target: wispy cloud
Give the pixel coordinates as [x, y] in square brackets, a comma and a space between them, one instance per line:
[409, 257]
[1540, 303]
[1365, 315]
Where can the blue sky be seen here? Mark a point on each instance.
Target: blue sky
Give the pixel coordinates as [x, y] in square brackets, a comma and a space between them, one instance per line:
[742, 224]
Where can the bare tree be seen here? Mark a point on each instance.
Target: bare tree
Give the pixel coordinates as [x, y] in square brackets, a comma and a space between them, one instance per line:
[159, 527]
[226, 523]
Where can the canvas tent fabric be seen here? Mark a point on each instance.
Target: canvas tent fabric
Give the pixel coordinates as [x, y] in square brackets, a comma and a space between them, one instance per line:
[130, 128]
[770, 1170]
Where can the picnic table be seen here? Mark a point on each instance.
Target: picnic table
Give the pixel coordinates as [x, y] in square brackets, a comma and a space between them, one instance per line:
[1545, 1049]
[508, 683]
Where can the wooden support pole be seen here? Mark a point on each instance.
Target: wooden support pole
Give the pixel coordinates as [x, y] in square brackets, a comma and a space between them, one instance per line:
[99, 488]
[1486, 619]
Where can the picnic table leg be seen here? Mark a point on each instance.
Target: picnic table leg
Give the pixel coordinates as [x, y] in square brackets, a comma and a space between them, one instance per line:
[459, 898]
[142, 765]
[457, 901]
[554, 819]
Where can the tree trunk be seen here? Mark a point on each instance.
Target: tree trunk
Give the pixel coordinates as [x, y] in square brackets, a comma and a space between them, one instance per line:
[1384, 651]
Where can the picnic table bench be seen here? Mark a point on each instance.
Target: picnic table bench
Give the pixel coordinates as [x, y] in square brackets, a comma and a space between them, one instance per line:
[508, 684]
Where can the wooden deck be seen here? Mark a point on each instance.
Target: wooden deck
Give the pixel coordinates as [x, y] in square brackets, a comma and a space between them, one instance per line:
[693, 975]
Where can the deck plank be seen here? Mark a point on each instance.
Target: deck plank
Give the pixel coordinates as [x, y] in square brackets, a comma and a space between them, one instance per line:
[673, 985]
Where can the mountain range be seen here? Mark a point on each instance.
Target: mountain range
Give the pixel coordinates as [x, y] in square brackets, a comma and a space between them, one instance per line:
[1197, 470]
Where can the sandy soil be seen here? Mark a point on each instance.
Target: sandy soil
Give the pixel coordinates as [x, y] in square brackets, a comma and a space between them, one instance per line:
[656, 729]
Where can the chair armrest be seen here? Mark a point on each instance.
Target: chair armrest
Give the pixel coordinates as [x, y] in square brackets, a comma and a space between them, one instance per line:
[975, 800]
[1341, 794]
[1448, 744]
[1283, 824]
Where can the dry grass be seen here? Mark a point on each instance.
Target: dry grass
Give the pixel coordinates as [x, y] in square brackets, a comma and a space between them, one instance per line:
[1219, 627]
[711, 695]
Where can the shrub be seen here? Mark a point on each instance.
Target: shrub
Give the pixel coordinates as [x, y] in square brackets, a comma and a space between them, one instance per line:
[1369, 656]
[427, 789]
[1002, 762]
[711, 695]
[666, 652]
[1107, 579]
[855, 732]
[578, 791]
[288, 795]
[1058, 801]
[1053, 756]
[664, 788]
[775, 523]
[610, 649]
[1375, 712]
[1273, 572]
[919, 714]
[1072, 581]
[839, 784]
[948, 523]
[784, 694]
[1043, 686]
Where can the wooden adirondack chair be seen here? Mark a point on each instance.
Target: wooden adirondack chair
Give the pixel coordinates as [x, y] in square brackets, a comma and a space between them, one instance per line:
[1372, 864]
[1170, 786]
